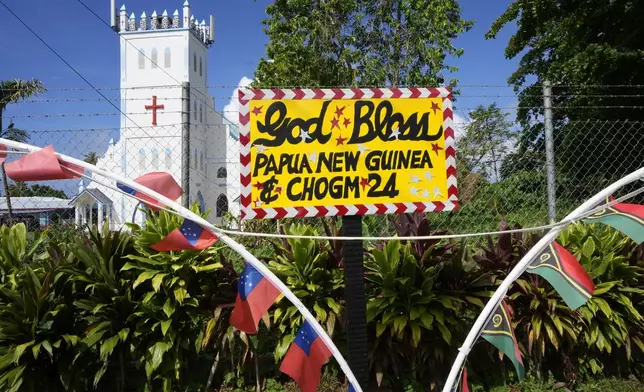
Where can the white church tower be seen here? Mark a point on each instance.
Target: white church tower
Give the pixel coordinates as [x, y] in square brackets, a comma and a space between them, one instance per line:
[166, 125]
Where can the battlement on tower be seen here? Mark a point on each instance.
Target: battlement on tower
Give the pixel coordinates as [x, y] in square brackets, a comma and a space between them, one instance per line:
[204, 32]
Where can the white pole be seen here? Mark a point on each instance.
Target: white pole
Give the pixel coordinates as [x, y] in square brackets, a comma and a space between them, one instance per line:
[520, 269]
[186, 213]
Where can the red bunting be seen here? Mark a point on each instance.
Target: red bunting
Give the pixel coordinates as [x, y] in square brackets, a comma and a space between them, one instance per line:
[162, 183]
[3, 153]
[42, 165]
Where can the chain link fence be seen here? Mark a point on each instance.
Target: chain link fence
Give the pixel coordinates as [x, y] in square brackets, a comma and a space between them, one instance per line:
[507, 180]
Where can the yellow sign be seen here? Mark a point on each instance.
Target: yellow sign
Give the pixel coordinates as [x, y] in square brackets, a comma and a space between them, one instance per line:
[377, 154]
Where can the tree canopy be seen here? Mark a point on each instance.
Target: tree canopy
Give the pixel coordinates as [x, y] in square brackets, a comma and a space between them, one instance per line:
[593, 52]
[20, 189]
[315, 43]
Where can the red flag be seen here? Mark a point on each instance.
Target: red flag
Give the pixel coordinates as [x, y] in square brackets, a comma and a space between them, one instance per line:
[190, 236]
[42, 165]
[160, 182]
[464, 387]
[304, 359]
[255, 295]
[3, 153]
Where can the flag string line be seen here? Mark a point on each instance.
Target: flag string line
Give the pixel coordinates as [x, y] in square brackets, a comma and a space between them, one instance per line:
[221, 230]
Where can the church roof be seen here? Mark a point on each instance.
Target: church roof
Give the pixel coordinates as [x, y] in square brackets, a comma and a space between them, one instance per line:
[95, 194]
[35, 203]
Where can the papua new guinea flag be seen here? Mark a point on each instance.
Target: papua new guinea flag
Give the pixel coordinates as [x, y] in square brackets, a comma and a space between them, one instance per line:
[499, 332]
[190, 236]
[304, 359]
[255, 295]
[560, 268]
[627, 218]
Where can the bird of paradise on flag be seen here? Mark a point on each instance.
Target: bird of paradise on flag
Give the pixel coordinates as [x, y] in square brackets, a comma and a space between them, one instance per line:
[500, 333]
[627, 218]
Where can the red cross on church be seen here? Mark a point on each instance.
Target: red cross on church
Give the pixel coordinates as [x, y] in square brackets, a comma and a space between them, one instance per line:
[154, 108]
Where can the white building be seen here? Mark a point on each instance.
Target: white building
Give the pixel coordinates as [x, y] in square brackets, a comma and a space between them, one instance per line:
[158, 53]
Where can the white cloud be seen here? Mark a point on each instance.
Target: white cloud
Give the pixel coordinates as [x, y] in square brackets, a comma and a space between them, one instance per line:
[231, 110]
[460, 123]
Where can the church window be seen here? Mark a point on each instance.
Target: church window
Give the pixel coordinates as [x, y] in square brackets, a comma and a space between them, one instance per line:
[200, 67]
[194, 61]
[195, 162]
[222, 205]
[154, 58]
[201, 113]
[221, 172]
[201, 161]
[168, 157]
[167, 58]
[194, 111]
[141, 59]
[142, 159]
[155, 158]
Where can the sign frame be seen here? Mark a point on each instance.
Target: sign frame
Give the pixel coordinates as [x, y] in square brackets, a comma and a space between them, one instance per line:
[249, 212]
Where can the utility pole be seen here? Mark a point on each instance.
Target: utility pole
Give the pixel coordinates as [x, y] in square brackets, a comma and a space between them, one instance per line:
[550, 150]
[185, 143]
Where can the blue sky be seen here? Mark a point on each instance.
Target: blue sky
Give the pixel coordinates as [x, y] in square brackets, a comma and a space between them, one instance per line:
[92, 48]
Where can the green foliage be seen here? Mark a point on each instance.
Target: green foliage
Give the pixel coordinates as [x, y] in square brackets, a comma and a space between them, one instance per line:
[343, 42]
[20, 189]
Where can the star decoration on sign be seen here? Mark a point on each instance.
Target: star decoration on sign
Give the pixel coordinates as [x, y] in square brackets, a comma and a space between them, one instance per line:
[414, 191]
[313, 157]
[278, 189]
[364, 182]
[258, 203]
[362, 148]
[394, 134]
[429, 176]
[425, 194]
[437, 192]
[414, 180]
[335, 123]
[260, 148]
[257, 110]
[340, 140]
[346, 122]
[339, 111]
[436, 148]
[258, 185]
[304, 135]
[435, 107]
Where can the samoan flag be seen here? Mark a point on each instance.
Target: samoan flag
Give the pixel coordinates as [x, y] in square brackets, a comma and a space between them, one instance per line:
[190, 236]
[305, 357]
[255, 295]
[160, 182]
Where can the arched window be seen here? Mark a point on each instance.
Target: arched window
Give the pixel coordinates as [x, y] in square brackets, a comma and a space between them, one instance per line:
[154, 58]
[200, 67]
[222, 205]
[202, 202]
[168, 158]
[221, 172]
[196, 160]
[201, 161]
[194, 61]
[201, 113]
[141, 59]
[142, 160]
[167, 58]
[194, 111]
[155, 158]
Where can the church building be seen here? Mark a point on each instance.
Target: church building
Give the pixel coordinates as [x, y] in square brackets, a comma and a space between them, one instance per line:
[165, 125]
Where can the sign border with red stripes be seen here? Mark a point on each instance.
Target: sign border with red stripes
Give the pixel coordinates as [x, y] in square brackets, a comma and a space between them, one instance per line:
[248, 212]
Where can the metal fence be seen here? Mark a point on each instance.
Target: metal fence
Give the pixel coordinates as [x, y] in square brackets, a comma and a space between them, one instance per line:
[511, 184]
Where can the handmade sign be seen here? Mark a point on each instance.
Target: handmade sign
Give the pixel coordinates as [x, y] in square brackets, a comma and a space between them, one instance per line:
[332, 152]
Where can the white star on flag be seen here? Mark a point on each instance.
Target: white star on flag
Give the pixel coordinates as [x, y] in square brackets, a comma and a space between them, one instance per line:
[304, 135]
[362, 148]
[414, 180]
[426, 194]
[394, 134]
[437, 192]
[428, 176]
[414, 191]
[260, 148]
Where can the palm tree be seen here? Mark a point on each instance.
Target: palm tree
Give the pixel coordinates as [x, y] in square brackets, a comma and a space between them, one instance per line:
[12, 91]
[91, 158]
